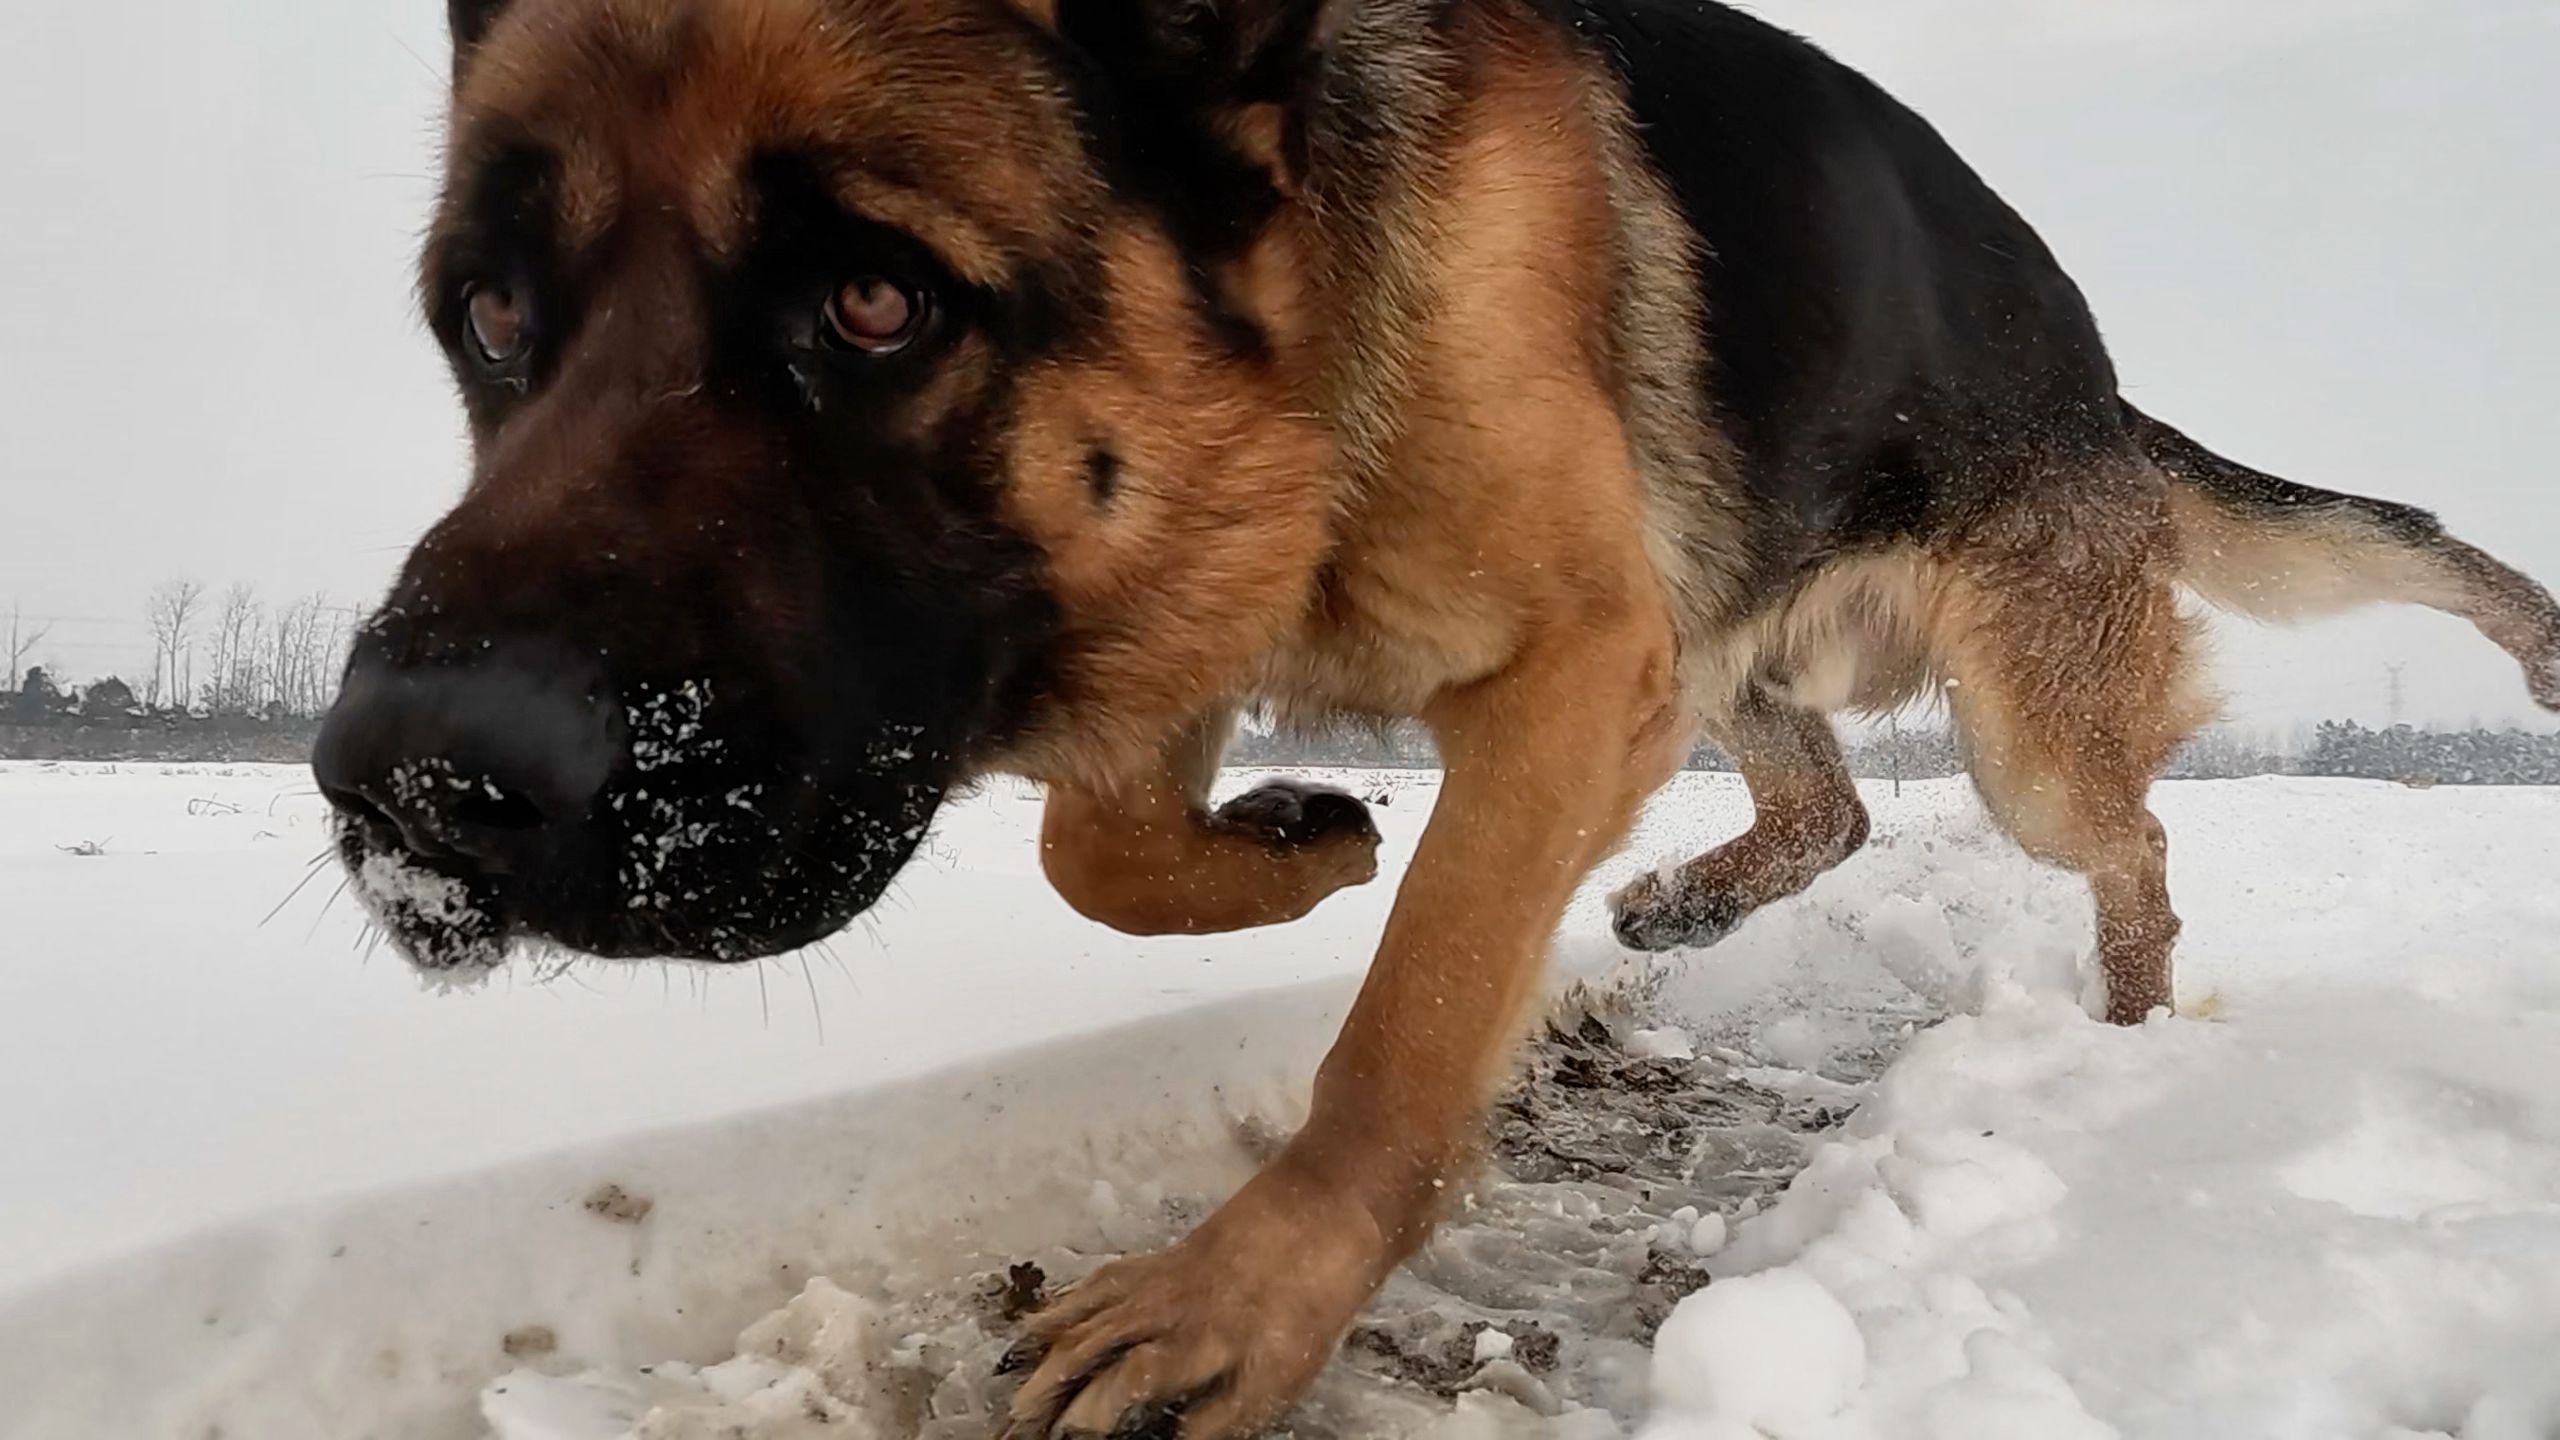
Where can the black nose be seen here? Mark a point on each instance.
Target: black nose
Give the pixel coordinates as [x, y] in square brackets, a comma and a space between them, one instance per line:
[493, 761]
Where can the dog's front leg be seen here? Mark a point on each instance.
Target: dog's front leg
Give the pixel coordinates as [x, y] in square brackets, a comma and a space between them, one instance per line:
[1150, 856]
[1547, 763]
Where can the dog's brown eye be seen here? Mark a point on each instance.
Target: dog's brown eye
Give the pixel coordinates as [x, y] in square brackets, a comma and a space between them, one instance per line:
[875, 315]
[500, 328]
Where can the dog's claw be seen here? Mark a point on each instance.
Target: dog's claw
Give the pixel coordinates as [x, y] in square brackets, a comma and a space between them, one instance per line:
[1022, 1356]
[1154, 1420]
[1146, 1419]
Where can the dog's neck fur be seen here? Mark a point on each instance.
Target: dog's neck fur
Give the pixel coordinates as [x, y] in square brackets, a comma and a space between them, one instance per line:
[1377, 136]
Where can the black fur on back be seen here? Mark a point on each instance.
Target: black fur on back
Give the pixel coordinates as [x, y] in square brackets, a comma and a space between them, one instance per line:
[1891, 347]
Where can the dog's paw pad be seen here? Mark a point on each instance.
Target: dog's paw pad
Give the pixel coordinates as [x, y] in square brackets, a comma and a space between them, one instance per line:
[1289, 814]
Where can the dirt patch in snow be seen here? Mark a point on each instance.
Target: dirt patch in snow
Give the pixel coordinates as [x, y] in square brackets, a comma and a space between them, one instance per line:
[610, 1201]
[1614, 1170]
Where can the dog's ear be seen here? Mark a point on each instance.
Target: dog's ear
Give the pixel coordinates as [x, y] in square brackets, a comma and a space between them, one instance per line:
[1211, 54]
[469, 21]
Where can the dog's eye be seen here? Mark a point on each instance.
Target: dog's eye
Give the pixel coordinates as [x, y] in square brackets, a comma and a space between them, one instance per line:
[875, 315]
[501, 323]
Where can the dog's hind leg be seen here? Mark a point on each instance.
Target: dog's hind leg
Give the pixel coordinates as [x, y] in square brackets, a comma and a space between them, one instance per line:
[1806, 818]
[2069, 669]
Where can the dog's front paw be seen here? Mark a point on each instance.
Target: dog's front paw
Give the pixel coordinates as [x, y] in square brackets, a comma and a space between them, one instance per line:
[1293, 815]
[1211, 1339]
[1654, 912]
[1307, 824]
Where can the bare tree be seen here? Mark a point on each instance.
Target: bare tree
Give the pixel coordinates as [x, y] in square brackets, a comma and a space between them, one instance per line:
[239, 677]
[285, 681]
[306, 652]
[172, 612]
[24, 637]
[338, 633]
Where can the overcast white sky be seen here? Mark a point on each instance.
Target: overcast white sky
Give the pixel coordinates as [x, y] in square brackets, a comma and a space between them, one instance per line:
[2323, 236]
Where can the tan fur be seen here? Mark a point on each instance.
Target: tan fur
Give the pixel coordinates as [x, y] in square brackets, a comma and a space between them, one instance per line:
[1199, 564]
[2324, 566]
[1432, 579]
[2053, 634]
[2329, 563]
[956, 97]
[1853, 635]
[2270, 549]
[2070, 667]
[1148, 856]
[1369, 199]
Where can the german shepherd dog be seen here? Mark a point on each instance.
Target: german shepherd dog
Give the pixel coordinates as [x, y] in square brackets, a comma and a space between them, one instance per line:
[873, 395]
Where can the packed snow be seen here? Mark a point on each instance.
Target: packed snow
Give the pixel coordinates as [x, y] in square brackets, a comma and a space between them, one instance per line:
[257, 1187]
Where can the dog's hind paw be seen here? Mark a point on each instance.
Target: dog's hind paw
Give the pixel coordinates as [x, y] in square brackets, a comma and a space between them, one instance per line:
[2543, 681]
[1654, 912]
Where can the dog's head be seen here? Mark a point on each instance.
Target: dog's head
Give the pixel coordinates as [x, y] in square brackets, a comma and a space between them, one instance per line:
[863, 393]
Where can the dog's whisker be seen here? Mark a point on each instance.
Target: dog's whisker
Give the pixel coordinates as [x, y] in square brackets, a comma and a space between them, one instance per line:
[827, 949]
[433, 73]
[308, 875]
[817, 1012]
[327, 905]
[565, 965]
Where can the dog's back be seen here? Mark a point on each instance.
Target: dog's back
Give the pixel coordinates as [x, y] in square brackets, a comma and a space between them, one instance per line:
[1892, 353]
[1879, 323]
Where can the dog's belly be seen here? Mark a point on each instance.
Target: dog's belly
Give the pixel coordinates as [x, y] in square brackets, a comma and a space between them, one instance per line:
[1852, 636]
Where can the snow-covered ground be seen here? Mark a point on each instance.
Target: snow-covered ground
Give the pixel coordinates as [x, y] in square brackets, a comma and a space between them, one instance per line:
[253, 1186]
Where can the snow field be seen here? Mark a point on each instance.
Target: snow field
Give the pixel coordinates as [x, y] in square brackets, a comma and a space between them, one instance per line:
[2325, 1202]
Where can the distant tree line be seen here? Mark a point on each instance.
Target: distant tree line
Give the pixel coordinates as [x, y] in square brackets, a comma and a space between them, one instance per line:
[232, 657]
[228, 671]
[2340, 748]
[2433, 757]
[231, 678]
[279, 661]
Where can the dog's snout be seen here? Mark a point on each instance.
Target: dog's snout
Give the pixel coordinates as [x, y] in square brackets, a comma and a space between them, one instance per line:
[490, 761]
